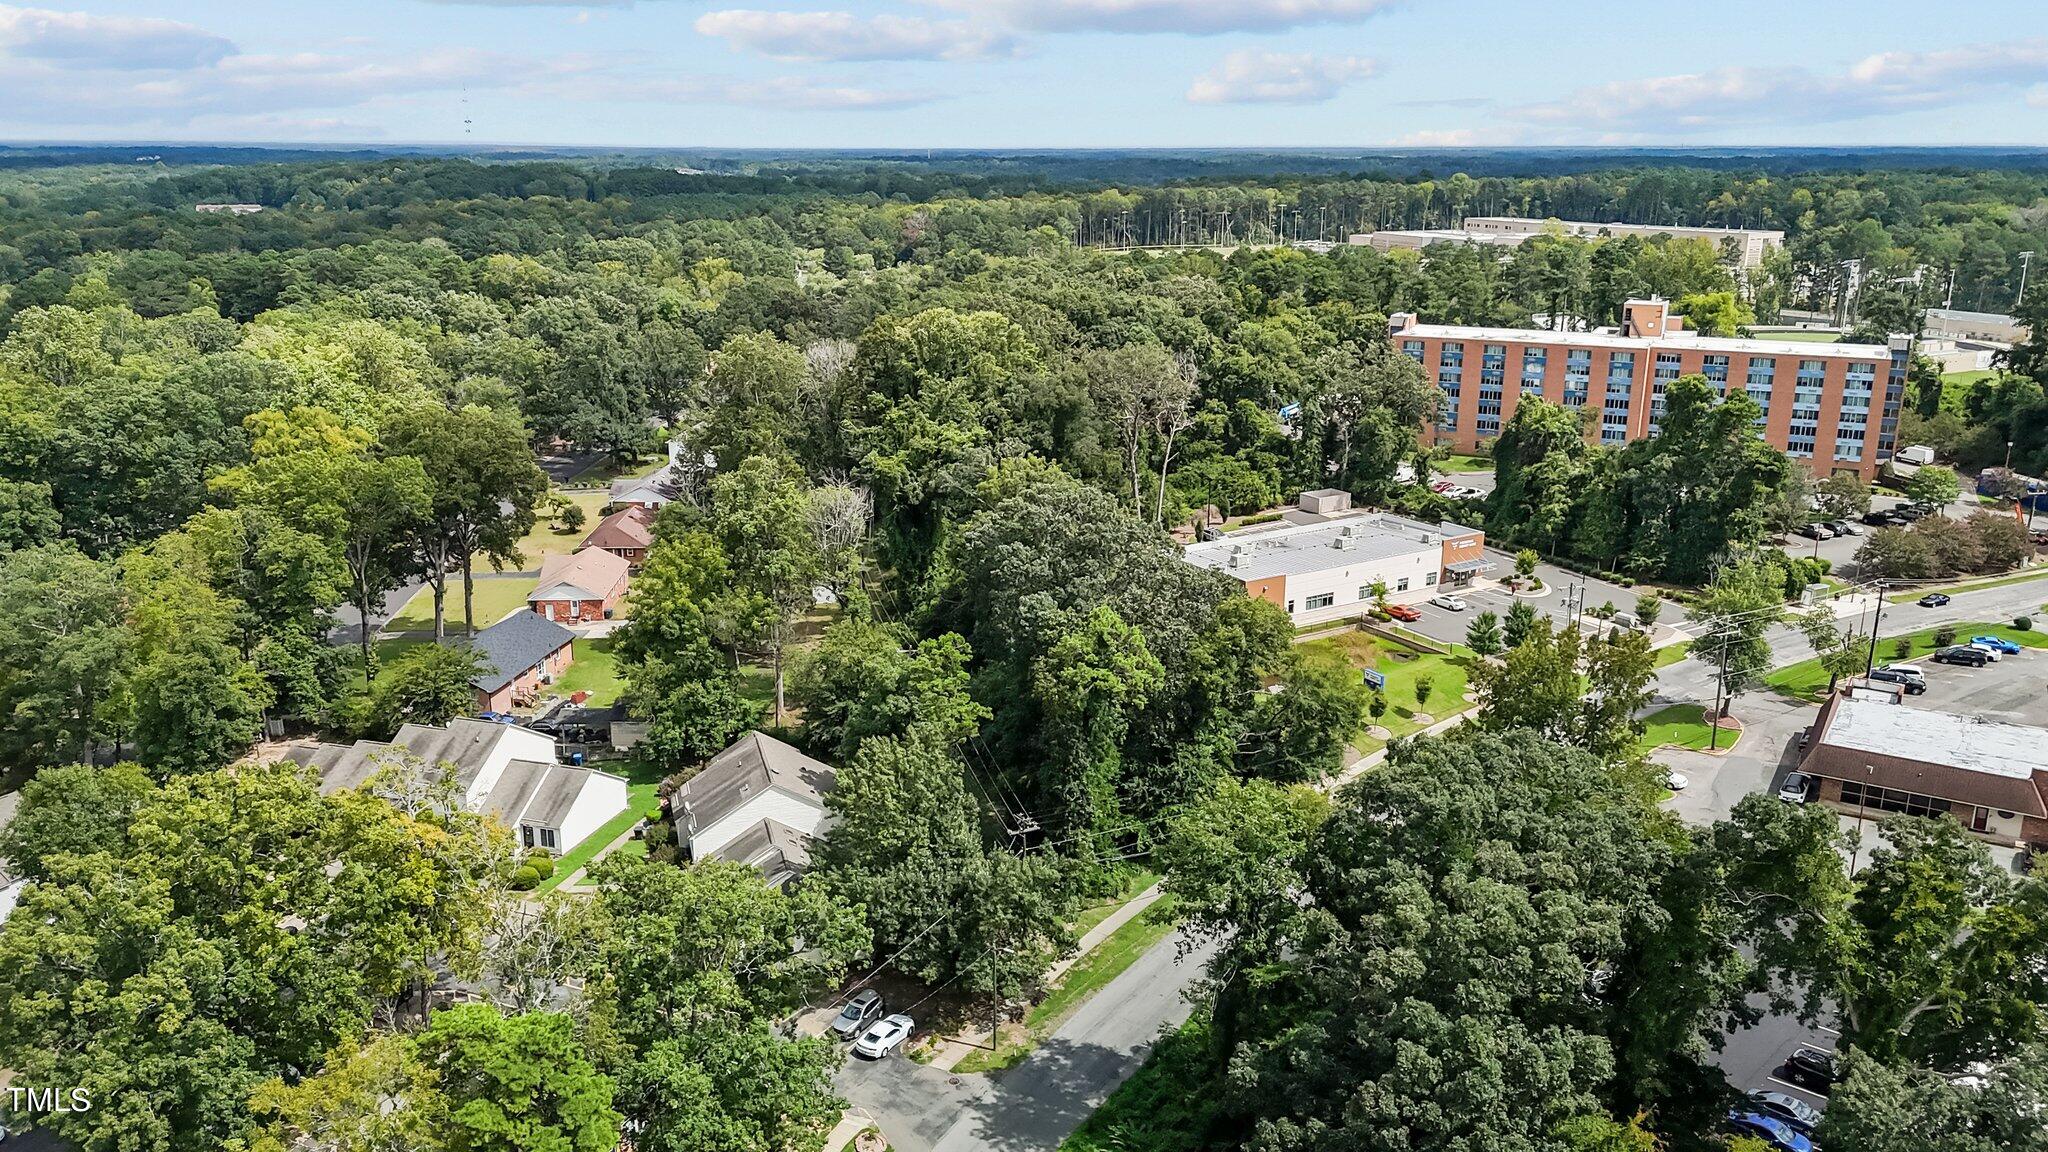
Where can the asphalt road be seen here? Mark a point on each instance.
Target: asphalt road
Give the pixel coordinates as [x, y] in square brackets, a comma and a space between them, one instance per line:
[1037, 1104]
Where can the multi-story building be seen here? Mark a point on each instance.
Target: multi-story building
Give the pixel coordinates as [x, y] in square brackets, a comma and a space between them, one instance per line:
[1746, 247]
[1834, 407]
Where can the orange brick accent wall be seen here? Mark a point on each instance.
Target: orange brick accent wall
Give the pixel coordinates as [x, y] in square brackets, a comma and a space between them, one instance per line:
[1271, 589]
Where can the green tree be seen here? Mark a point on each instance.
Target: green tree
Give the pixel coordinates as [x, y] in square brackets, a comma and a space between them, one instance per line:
[1843, 495]
[1649, 606]
[66, 657]
[1840, 651]
[1091, 681]
[515, 1083]
[1484, 636]
[760, 513]
[430, 684]
[1935, 484]
[198, 705]
[1517, 626]
[1737, 610]
[483, 488]
[1885, 1108]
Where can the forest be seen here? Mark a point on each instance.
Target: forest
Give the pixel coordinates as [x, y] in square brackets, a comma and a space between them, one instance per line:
[956, 403]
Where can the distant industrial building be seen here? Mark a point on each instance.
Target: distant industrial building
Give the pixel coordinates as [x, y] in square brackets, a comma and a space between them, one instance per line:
[1321, 560]
[1833, 406]
[1955, 324]
[229, 209]
[1871, 757]
[1746, 247]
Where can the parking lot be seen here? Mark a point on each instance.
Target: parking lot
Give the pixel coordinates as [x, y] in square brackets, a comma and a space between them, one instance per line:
[1448, 626]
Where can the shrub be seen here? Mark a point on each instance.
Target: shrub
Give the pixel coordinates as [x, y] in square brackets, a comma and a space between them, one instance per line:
[1902, 648]
[524, 878]
[542, 863]
[573, 517]
[1945, 635]
[2023, 623]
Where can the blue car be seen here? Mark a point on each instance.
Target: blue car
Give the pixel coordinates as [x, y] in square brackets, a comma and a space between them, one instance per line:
[1770, 1130]
[1993, 642]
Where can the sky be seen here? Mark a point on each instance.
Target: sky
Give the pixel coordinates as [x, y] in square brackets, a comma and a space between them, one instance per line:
[1028, 73]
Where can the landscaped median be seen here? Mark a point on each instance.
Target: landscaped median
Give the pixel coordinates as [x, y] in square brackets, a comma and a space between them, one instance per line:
[1685, 726]
[1957, 589]
[1808, 681]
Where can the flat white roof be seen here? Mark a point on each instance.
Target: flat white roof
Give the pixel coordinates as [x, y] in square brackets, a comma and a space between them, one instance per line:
[1993, 747]
[1305, 548]
[1677, 341]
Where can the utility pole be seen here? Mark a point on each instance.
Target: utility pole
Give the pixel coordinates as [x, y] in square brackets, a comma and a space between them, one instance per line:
[1720, 685]
[2026, 259]
[1875, 622]
[1862, 805]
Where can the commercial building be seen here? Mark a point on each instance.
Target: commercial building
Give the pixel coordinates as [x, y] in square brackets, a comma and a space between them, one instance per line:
[509, 774]
[1746, 247]
[1833, 406]
[1872, 757]
[1321, 561]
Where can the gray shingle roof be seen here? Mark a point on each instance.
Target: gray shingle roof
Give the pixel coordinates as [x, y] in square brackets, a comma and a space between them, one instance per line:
[779, 852]
[515, 644]
[754, 764]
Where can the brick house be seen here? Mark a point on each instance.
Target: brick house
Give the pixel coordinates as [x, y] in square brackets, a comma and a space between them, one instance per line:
[521, 654]
[627, 533]
[582, 588]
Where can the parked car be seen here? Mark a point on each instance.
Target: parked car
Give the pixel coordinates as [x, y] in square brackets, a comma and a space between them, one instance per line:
[1846, 527]
[1877, 519]
[1988, 650]
[1996, 643]
[1909, 671]
[1447, 602]
[1934, 600]
[1676, 781]
[1963, 655]
[1813, 1070]
[1406, 612]
[884, 1036]
[1816, 531]
[1770, 1130]
[1796, 787]
[1907, 513]
[1913, 685]
[855, 1013]
[1791, 1109]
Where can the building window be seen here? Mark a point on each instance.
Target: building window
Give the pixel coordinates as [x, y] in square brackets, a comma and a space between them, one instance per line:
[1321, 600]
[1413, 348]
[1891, 800]
[1401, 585]
[1290, 607]
[1533, 363]
[1428, 578]
[1715, 368]
[547, 839]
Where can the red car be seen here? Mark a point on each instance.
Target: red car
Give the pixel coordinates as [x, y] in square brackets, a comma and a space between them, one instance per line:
[1403, 612]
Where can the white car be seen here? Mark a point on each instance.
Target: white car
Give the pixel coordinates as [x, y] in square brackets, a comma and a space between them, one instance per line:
[1988, 650]
[884, 1037]
[1676, 781]
[1448, 602]
[1794, 789]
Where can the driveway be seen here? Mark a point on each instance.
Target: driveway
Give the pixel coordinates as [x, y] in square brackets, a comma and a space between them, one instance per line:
[1037, 1104]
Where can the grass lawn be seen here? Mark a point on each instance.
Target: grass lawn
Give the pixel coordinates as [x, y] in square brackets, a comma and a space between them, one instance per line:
[1964, 380]
[1404, 667]
[1459, 462]
[543, 540]
[1952, 589]
[1671, 654]
[1089, 975]
[1806, 680]
[643, 780]
[1684, 725]
[386, 650]
[592, 669]
[1134, 883]
[1803, 336]
[496, 598]
[1171, 1101]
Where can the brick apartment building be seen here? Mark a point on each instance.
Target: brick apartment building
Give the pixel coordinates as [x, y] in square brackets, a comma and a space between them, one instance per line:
[1834, 407]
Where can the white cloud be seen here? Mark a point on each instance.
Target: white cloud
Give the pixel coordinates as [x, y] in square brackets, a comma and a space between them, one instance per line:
[1194, 17]
[81, 39]
[1251, 76]
[801, 93]
[844, 36]
[1743, 97]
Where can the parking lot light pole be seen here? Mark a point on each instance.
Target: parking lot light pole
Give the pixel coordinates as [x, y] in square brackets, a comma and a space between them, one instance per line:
[1862, 806]
[1876, 622]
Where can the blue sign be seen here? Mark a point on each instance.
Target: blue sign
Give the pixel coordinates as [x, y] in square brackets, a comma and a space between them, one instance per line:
[1374, 679]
